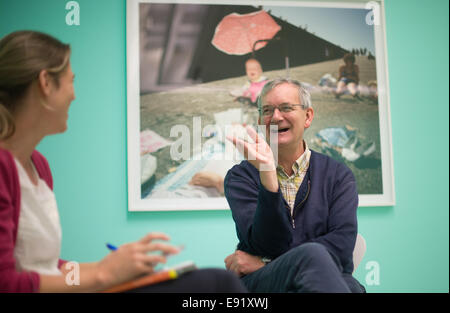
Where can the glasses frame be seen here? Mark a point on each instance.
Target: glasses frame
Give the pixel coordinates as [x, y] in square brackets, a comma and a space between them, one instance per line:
[278, 107]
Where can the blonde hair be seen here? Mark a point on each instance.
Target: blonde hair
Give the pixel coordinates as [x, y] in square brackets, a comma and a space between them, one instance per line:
[23, 55]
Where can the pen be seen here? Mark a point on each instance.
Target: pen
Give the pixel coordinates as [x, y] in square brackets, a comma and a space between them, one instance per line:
[114, 248]
[111, 247]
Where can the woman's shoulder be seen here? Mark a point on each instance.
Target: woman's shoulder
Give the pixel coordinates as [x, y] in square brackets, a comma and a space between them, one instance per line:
[8, 167]
[37, 156]
[43, 168]
[6, 159]
[8, 171]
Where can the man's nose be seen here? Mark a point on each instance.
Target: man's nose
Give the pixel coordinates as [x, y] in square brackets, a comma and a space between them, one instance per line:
[277, 116]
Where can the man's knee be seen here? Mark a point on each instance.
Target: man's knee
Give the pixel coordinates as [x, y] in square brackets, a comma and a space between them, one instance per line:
[312, 249]
[312, 252]
[222, 280]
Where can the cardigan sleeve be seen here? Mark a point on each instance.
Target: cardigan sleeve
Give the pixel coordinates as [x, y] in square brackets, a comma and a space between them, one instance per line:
[261, 217]
[10, 279]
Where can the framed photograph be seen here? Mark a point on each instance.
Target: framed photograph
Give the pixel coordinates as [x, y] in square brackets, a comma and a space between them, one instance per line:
[195, 70]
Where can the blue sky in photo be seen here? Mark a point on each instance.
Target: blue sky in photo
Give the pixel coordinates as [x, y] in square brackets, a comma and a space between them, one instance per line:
[342, 26]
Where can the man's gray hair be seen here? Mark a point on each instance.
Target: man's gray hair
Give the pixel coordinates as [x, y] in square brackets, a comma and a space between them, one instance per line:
[305, 97]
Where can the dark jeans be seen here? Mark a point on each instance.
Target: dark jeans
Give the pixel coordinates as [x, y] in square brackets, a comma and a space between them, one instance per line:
[198, 281]
[306, 268]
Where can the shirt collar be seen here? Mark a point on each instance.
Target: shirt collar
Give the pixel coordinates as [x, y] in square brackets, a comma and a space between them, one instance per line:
[301, 164]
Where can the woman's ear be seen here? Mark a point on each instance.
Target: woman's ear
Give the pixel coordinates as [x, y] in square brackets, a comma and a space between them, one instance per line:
[45, 85]
[45, 82]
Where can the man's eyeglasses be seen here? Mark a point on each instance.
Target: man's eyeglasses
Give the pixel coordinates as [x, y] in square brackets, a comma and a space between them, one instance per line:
[268, 110]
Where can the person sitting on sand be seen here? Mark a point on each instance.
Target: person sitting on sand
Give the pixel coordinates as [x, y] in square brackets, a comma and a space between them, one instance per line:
[348, 77]
[373, 89]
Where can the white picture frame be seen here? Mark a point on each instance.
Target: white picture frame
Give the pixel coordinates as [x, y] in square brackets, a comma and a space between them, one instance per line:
[384, 197]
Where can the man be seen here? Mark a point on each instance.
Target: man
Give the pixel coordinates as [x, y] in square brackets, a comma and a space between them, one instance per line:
[295, 220]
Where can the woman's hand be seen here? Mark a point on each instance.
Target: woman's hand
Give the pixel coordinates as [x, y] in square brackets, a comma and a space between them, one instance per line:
[243, 263]
[134, 259]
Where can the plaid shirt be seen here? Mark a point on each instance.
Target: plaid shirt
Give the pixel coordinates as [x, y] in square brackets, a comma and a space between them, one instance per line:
[289, 185]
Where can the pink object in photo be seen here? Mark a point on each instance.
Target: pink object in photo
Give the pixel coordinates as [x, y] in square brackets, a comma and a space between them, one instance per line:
[237, 33]
[254, 90]
[151, 141]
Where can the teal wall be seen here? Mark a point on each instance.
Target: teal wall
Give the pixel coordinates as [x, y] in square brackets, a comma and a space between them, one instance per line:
[410, 241]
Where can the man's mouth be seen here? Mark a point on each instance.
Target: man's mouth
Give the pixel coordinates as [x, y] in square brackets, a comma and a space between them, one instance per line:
[280, 130]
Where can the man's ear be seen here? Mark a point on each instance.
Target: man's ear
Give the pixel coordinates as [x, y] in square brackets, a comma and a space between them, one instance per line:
[45, 82]
[309, 117]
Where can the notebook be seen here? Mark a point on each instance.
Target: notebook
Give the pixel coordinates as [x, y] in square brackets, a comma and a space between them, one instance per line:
[154, 278]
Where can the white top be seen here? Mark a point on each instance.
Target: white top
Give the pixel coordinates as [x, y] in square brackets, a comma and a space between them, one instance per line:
[38, 241]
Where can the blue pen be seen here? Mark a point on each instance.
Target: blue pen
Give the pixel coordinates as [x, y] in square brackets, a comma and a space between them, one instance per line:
[111, 247]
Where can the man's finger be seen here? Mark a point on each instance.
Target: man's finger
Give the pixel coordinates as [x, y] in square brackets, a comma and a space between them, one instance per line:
[232, 267]
[227, 265]
[258, 136]
[248, 150]
[229, 260]
[252, 133]
[239, 144]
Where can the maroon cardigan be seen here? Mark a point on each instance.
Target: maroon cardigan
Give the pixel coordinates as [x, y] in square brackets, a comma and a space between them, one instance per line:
[10, 279]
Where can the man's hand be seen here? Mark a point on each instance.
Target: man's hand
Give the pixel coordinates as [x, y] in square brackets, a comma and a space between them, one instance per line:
[243, 263]
[260, 155]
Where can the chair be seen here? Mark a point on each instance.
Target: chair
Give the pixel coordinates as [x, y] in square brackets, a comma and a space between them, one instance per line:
[358, 251]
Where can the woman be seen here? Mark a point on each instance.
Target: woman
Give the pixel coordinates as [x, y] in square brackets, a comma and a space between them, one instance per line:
[348, 77]
[36, 89]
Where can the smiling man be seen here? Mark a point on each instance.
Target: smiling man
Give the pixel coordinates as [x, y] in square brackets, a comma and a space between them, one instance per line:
[295, 218]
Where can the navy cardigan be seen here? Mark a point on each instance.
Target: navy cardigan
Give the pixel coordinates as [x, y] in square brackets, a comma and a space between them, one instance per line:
[324, 211]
